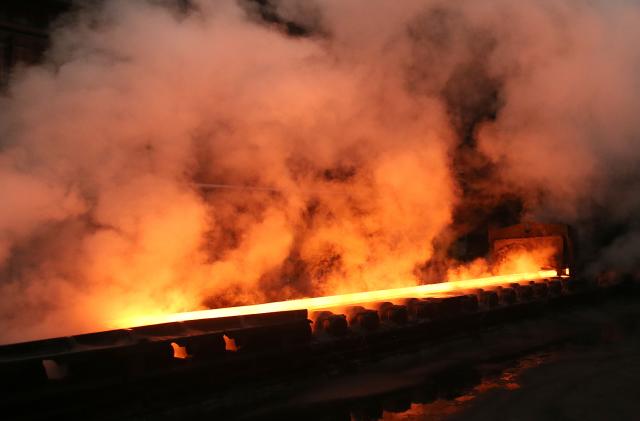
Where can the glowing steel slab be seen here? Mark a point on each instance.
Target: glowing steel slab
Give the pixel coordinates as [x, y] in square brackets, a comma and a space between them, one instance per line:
[317, 303]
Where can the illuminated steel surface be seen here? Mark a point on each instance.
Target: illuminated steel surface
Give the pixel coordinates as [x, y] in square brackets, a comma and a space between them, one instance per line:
[318, 303]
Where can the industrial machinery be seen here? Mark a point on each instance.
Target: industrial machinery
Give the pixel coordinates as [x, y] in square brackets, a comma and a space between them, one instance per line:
[182, 359]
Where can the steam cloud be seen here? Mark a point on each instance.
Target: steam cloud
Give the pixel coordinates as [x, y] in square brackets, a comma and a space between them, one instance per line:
[359, 140]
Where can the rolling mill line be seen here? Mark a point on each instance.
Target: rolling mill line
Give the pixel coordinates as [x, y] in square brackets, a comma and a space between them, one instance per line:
[201, 353]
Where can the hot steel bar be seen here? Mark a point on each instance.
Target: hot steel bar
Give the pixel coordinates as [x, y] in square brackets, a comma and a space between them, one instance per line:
[318, 303]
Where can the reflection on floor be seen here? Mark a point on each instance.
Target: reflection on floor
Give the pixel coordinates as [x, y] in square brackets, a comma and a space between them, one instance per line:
[586, 366]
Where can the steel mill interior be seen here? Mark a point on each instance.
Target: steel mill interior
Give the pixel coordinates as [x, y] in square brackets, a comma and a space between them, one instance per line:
[319, 209]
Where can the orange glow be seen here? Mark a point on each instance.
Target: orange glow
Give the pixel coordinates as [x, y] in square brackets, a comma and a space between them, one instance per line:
[229, 343]
[318, 303]
[525, 255]
[179, 352]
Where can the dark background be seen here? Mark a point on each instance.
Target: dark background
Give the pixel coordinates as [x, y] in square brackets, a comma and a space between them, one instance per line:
[24, 27]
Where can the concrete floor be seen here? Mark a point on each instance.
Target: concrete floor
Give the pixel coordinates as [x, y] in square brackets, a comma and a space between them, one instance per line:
[579, 365]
